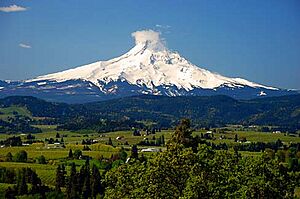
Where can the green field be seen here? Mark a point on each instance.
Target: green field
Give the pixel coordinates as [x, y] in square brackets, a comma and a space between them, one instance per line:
[73, 140]
[9, 112]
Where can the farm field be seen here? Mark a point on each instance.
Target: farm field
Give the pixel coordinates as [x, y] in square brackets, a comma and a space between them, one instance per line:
[120, 139]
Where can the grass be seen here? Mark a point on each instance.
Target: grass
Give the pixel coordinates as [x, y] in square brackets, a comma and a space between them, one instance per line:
[9, 112]
[45, 171]
[253, 136]
[73, 141]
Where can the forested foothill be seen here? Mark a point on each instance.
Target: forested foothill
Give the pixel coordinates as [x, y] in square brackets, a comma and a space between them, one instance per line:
[136, 147]
[281, 113]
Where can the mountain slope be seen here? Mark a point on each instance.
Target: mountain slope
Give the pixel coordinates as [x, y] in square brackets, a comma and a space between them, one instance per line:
[163, 111]
[148, 68]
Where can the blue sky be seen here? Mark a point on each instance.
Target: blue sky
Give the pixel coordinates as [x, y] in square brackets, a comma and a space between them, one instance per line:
[257, 40]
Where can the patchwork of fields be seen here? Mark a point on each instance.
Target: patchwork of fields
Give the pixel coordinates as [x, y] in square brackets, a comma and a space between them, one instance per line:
[124, 139]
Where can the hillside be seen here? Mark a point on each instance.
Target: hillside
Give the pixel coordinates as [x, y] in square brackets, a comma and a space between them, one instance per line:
[164, 112]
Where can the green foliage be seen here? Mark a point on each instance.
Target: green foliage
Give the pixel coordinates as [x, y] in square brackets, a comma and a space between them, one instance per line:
[60, 177]
[41, 160]
[96, 186]
[21, 156]
[21, 187]
[205, 174]
[159, 111]
[70, 154]
[77, 153]
[183, 172]
[134, 152]
[9, 157]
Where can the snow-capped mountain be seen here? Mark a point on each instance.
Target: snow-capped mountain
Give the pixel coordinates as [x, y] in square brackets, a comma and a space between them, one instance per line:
[148, 68]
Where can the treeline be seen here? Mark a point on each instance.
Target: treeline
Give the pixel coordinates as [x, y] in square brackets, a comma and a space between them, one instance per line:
[164, 112]
[21, 178]
[86, 183]
[18, 124]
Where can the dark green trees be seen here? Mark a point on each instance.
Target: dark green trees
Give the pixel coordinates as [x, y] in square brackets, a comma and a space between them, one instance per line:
[41, 159]
[21, 156]
[72, 186]
[134, 152]
[70, 154]
[60, 177]
[8, 157]
[21, 182]
[86, 190]
[77, 153]
[110, 142]
[182, 134]
[86, 184]
[96, 186]
[182, 172]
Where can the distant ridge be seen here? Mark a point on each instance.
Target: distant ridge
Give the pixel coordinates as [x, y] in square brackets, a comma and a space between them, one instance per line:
[164, 111]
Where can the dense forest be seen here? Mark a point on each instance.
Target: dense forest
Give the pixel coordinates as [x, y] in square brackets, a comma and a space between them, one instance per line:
[164, 112]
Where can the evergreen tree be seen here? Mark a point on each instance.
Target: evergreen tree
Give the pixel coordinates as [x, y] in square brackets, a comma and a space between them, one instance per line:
[41, 159]
[77, 153]
[96, 187]
[21, 183]
[182, 135]
[35, 182]
[134, 152]
[86, 190]
[70, 154]
[8, 157]
[21, 156]
[72, 187]
[235, 138]
[60, 177]
[163, 140]
[81, 179]
[110, 142]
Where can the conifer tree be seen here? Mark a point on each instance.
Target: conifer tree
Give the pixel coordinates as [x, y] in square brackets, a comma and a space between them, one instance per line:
[96, 187]
[70, 154]
[60, 177]
[21, 183]
[134, 152]
[72, 189]
[110, 142]
[86, 190]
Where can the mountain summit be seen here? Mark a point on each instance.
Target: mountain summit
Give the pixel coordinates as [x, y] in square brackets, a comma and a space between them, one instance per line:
[148, 68]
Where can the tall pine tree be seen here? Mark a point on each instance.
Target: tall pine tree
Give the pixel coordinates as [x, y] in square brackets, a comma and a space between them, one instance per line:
[96, 186]
[72, 189]
[60, 177]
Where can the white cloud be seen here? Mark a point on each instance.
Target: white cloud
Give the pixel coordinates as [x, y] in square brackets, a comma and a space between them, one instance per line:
[146, 35]
[24, 45]
[12, 8]
[150, 37]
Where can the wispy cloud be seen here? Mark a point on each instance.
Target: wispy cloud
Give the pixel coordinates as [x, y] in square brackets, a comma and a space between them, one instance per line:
[12, 8]
[24, 45]
[162, 26]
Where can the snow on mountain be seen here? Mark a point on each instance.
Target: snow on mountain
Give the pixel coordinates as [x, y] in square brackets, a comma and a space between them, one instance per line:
[149, 63]
[148, 68]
